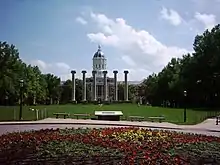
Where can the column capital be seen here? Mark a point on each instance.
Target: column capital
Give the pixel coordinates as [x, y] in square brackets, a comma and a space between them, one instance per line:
[94, 72]
[84, 71]
[126, 72]
[73, 71]
[115, 72]
[105, 72]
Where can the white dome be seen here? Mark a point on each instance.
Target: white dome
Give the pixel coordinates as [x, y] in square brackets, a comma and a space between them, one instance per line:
[99, 62]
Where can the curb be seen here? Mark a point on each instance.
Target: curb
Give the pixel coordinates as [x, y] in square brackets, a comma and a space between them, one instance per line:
[112, 124]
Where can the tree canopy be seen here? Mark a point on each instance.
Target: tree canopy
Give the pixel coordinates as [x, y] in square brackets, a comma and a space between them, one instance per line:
[37, 87]
[197, 73]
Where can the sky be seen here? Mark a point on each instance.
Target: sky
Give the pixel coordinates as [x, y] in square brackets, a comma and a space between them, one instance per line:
[140, 36]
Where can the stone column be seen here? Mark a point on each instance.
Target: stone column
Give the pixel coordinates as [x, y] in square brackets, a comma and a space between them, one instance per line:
[101, 92]
[73, 72]
[115, 85]
[126, 86]
[94, 86]
[105, 85]
[84, 84]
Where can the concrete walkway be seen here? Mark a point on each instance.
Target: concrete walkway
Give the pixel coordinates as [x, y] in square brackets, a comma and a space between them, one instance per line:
[208, 127]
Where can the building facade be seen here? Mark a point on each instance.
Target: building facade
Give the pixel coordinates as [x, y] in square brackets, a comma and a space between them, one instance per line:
[100, 92]
[103, 88]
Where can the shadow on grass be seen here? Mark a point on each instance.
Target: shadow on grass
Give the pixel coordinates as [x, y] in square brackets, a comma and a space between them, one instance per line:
[206, 109]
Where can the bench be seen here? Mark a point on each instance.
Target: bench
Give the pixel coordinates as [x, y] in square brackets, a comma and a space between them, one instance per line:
[217, 120]
[109, 115]
[159, 118]
[82, 115]
[61, 114]
[136, 118]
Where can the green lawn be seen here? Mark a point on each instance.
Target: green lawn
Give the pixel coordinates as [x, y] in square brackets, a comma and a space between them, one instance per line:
[172, 115]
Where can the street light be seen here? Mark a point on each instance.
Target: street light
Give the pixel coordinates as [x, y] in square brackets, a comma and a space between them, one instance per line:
[6, 100]
[21, 98]
[184, 115]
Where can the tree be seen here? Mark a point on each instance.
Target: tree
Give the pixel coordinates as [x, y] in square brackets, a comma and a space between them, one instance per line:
[53, 88]
[132, 92]
[66, 94]
[10, 68]
[197, 73]
[120, 91]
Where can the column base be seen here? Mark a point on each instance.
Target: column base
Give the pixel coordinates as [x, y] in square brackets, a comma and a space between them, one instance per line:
[74, 102]
[95, 102]
[127, 101]
[106, 102]
[84, 101]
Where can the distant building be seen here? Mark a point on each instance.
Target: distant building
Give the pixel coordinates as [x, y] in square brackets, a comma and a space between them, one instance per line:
[130, 82]
[102, 87]
[100, 66]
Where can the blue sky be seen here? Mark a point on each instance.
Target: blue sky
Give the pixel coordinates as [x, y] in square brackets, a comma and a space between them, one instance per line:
[141, 36]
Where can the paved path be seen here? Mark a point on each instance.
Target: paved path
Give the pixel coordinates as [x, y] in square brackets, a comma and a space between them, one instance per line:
[207, 127]
[17, 128]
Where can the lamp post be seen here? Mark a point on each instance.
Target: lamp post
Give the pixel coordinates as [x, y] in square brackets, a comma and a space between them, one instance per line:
[21, 98]
[184, 115]
[6, 100]
[215, 87]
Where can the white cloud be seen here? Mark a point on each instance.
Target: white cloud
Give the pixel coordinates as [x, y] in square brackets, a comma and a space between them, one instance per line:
[62, 65]
[171, 15]
[81, 20]
[112, 39]
[144, 53]
[209, 20]
[128, 60]
[60, 69]
[41, 64]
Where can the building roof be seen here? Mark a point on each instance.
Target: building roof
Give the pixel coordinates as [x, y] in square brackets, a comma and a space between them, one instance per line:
[99, 53]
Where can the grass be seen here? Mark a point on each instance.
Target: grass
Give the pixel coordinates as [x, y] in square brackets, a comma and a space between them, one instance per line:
[172, 115]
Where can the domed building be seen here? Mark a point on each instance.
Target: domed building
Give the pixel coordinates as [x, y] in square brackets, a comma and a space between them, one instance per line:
[102, 87]
[99, 62]
[99, 68]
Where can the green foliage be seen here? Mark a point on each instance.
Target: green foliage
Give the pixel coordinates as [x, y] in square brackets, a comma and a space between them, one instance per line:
[197, 73]
[74, 131]
[208, 152]
[71, 148]
[38, 88]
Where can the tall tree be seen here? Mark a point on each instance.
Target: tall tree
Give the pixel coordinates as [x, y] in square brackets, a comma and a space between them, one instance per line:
[10, 68]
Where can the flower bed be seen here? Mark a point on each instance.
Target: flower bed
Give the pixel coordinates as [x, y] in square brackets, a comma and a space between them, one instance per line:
[108, 146]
